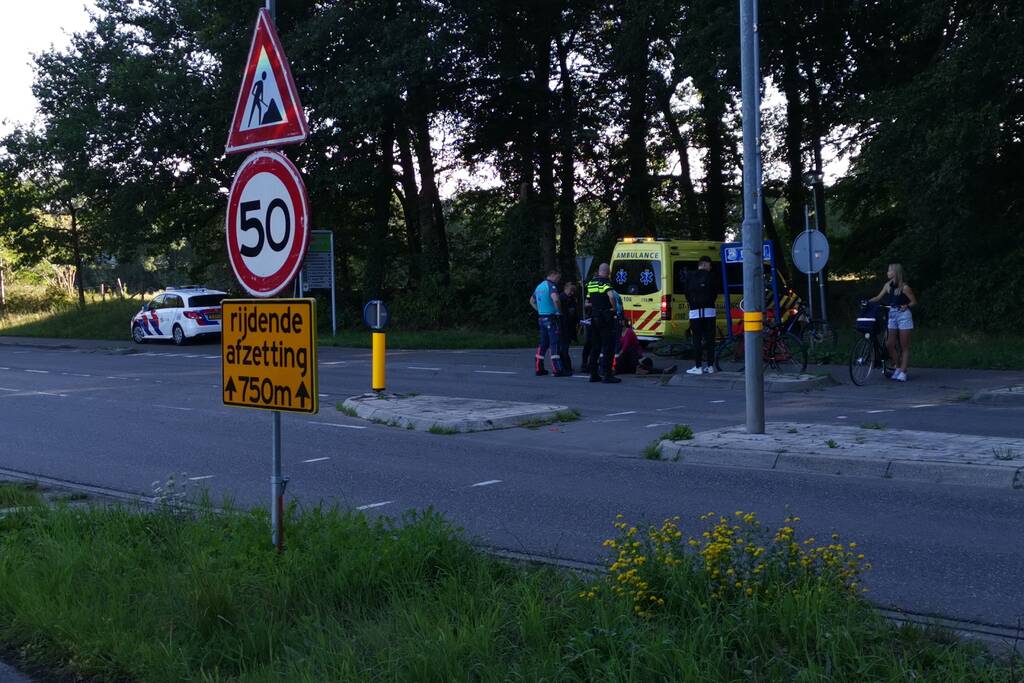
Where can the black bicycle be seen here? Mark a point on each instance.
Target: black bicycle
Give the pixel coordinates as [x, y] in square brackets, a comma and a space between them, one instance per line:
[782, 351]
[869, 352]
[813, 333]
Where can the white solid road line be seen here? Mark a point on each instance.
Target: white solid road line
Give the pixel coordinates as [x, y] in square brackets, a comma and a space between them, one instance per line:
[158, 405]
[6, 389]
[885, 410]
[721, 400]
[335, 362]
[841, 417]
[323, 395]
[334, 424]
[417, 367]
[494, 372]
[624, 412]
[661, 410]
[657, 424]
[316, 459]
[924, 405]
[375, 505]
[205, 476]
[39, 372]
[486, 483]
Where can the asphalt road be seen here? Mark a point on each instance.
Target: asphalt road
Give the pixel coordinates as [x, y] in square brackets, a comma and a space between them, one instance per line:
[124, 421]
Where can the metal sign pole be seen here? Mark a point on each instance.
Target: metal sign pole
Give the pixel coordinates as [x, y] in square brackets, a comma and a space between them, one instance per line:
[753, 269]
[334, 308]
[276, 481]
[810, 271]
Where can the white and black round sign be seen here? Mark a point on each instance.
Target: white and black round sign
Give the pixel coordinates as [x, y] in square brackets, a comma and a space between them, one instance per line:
[267, 225]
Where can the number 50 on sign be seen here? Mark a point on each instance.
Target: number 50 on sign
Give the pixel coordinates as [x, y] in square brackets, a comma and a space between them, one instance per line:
[267, 225]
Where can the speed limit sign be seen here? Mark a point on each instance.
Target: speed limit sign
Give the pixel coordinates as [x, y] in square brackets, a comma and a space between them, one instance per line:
[267, 223]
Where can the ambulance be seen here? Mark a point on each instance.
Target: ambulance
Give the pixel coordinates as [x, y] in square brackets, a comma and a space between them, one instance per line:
[650, 274]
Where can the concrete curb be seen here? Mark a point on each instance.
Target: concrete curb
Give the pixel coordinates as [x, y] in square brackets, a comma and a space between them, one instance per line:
[935, 472]
[1006, 396]
[772, 383]
[507, 414]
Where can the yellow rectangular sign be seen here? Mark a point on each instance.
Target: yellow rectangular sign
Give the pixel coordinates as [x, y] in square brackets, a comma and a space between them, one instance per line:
[269, 354]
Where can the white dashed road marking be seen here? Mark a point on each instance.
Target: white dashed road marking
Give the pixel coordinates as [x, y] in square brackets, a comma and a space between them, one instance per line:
[494, 372]
[924, 405]
[661, 410]
[657, 424]
[721, 400]
[884, 410]
[418, 367]
[6, 389]
[205, 476]
[840, 417]
[486, 483]
[375, 505]
[316, 460]
[157, 405]
[624, 412]
[39, 372]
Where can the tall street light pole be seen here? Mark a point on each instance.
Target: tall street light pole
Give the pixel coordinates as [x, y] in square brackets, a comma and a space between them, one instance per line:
[753, 259]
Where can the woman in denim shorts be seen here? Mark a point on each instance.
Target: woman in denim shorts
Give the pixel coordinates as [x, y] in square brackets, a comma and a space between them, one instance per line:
[897, 295]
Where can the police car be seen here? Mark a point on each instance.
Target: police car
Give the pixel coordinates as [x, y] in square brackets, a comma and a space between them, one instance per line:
[180, 313]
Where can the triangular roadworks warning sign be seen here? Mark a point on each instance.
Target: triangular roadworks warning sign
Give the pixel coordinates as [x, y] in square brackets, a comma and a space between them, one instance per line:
[268, 112]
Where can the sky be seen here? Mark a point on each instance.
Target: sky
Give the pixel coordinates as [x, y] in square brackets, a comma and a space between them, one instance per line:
[27, 28]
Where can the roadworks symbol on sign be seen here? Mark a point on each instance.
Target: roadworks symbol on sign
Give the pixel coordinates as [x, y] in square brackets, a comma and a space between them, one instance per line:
[269, 354]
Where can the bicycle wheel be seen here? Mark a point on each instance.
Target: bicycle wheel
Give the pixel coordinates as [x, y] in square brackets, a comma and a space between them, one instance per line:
[787, 354]
[862, 360]
[821, 335]
[729, 356]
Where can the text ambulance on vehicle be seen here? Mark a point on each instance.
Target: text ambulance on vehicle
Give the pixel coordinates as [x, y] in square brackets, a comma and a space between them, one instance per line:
[650, 275]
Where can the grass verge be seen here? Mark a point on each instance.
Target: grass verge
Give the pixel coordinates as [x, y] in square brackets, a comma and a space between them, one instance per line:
[19, 495]
[99, 319]
[570, 415]
[120, 594]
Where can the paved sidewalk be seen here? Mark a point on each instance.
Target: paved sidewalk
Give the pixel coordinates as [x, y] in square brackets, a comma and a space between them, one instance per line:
[447, 414]
[869, 450]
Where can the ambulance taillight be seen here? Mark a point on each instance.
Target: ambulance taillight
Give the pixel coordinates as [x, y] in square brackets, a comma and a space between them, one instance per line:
[666, 306]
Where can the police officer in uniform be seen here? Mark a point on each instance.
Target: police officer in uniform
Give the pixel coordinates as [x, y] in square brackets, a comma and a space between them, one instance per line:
[545, 301]
[601, 297]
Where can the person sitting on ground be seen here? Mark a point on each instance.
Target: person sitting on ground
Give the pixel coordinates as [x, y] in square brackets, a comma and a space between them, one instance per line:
[631, 358]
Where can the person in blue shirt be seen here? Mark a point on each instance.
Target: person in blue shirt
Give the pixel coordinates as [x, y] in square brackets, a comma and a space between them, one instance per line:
[545, 301]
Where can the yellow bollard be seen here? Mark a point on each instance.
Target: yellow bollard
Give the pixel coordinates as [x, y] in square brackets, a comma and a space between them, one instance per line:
[378, 361]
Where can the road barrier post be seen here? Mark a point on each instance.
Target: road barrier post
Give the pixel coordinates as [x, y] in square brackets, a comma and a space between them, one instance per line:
[378, 361]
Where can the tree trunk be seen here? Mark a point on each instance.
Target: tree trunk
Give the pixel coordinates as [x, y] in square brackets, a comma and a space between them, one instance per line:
[791, 87]
[567, 167]
[435, 244]
[712, 112]
[545, 207]
[635, 66]
[376, 257]
[76, 247]
[3, 286]
[687, 195]
[410, 202]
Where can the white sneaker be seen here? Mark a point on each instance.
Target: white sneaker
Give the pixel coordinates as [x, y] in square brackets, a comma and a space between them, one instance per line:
[708, 369]
[900, 376]
[694, 371]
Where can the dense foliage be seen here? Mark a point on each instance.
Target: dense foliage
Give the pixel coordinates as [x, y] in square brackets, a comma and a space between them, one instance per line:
[459, 147]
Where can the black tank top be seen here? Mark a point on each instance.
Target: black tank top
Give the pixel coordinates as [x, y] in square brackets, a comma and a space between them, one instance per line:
[896, 296]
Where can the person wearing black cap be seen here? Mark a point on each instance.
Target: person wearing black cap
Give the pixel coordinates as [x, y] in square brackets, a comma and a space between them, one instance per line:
[701, 293]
